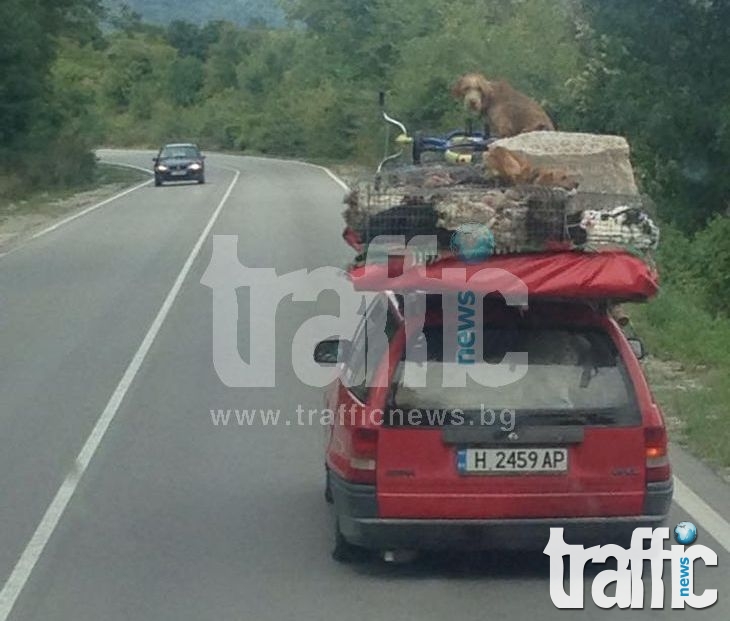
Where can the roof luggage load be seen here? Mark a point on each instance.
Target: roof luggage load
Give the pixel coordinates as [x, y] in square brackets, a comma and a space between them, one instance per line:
[560, 211]
[615, 276]
[520, 219]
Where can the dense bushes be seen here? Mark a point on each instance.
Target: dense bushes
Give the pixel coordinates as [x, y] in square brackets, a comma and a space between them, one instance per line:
[657, 81]
[699, 266]
[712, 259]
[48, 118]
[311, 89]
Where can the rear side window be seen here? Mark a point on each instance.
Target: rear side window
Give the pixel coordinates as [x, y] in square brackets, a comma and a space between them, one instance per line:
[366, 352]
[569, 371]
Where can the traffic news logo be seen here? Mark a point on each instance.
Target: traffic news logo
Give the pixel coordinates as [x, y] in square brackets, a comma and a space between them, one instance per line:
[628, 575]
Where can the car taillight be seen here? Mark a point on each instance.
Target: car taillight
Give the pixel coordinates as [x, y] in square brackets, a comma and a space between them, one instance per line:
[364, 453]
[657, 459]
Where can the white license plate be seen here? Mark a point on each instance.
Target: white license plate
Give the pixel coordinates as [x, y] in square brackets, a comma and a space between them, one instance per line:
[512, 460]
[179, 173]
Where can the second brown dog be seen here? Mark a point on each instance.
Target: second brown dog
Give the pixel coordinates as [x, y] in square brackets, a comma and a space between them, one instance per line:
[517, 170]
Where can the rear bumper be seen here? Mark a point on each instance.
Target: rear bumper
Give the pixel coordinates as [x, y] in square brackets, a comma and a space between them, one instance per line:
[512, 534]
[188, 176]
[659, 498]
[356, 508]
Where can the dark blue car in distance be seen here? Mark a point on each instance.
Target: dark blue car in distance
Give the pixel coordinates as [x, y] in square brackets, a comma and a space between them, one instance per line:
[179, 162]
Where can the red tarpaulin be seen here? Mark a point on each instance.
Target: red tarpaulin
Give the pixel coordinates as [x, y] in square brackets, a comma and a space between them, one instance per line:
[613, 275]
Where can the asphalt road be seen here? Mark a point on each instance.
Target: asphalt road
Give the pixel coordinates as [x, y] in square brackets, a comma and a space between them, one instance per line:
[173, 517]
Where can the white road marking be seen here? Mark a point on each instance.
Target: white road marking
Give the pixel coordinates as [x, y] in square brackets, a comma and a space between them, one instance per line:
[709, 519]
[326, 170]
[75, 216]
[33, 550]
[335, 178]
[135, 167]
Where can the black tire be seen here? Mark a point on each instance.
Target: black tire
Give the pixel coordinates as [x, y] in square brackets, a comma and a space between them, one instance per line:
[328, 488]
[158, 182]
[344, 551]
[201, 181]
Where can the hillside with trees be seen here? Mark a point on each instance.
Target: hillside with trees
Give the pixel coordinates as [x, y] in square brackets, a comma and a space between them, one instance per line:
[239, 12]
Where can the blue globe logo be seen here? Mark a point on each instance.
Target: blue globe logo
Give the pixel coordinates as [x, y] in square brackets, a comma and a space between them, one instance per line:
[685, 533]
[472, 242]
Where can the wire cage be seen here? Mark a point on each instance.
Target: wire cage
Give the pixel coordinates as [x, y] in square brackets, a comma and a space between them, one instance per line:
[599, 221]
[440, 201]
[519, 219]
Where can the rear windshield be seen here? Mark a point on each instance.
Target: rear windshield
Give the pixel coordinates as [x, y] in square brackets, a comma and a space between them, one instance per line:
[183, 152]
[568, 371]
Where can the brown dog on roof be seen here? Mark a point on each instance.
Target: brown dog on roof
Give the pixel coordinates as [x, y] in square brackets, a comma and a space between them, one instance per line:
[506, 111]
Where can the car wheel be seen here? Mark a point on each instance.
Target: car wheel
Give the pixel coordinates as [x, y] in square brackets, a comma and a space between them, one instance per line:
[328, 488]
[158, 182]
[201, 181]
[344, 551]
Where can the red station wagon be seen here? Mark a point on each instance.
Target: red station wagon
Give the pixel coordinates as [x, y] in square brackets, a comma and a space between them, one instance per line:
[576, 442]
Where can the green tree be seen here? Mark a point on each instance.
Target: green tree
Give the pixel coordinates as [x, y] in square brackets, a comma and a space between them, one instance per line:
[231, 45]
[126, 20]
[193, 40]
[345, 29]
[712, 264]
[660, 80]
[132, 64]
[32, 105]
[185, 79]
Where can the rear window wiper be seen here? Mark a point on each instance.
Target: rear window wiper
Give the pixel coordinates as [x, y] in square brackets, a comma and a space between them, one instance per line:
[587, 375]
[575, 418]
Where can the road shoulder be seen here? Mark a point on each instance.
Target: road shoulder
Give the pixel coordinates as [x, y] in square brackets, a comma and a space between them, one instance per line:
[24, 219]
